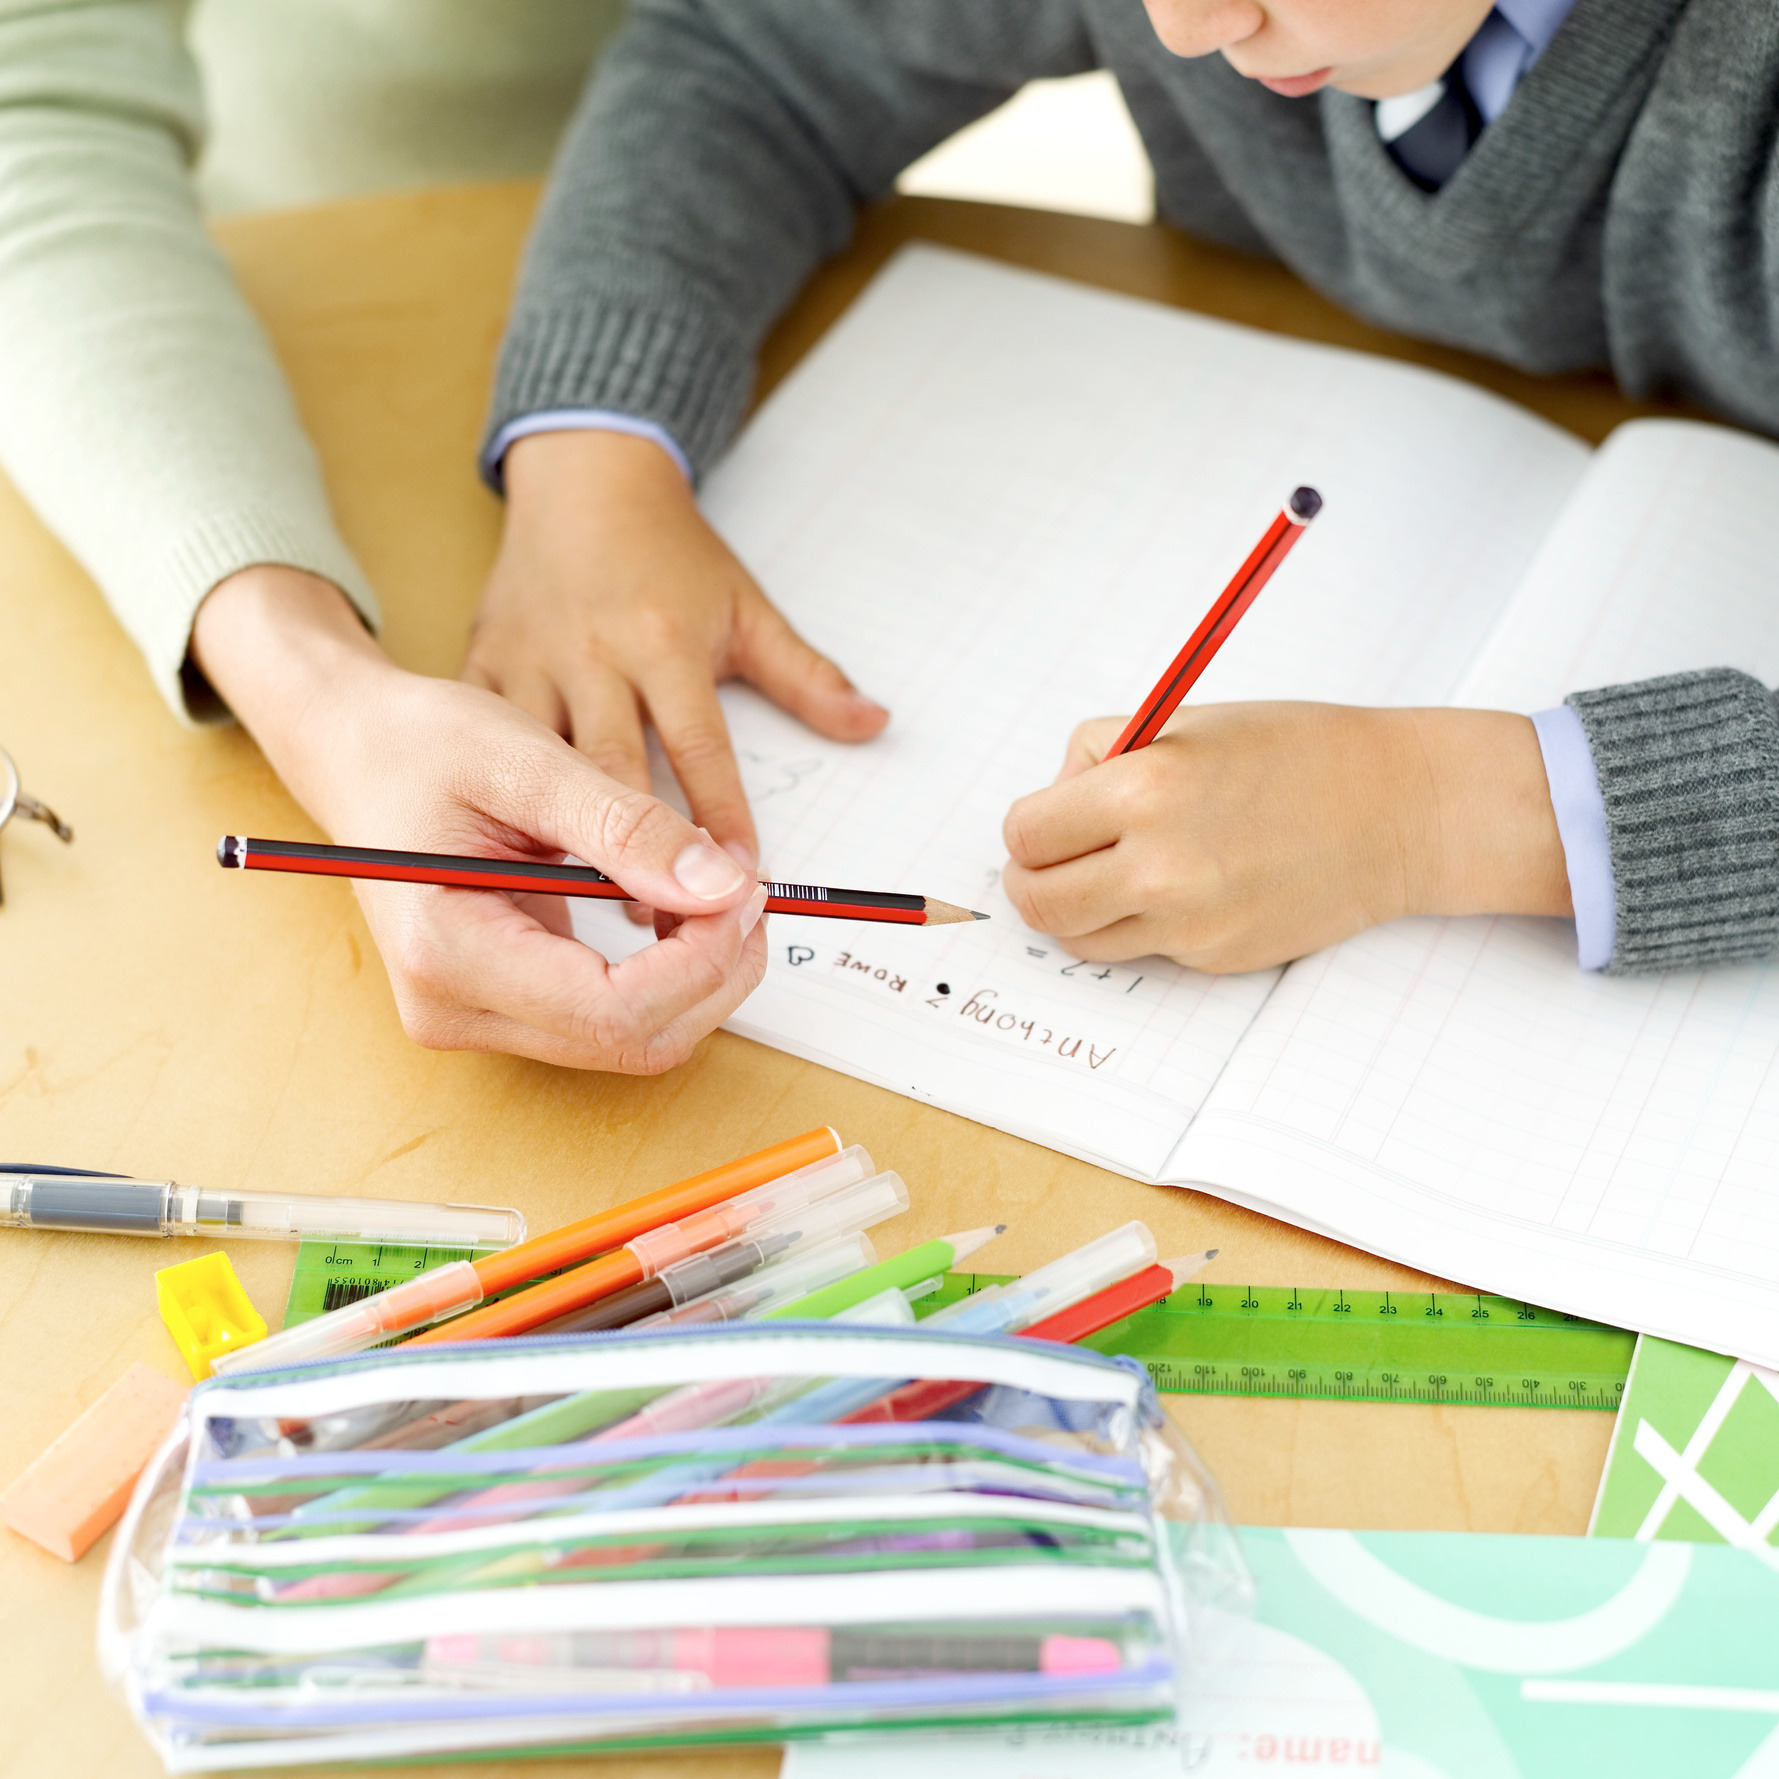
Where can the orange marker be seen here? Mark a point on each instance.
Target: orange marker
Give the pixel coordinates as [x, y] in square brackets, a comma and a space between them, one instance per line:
[646, 1255]
[465, 1283]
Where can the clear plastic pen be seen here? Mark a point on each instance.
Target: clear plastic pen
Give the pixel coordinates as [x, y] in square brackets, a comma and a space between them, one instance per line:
[112, 1204]
[1005, 1309]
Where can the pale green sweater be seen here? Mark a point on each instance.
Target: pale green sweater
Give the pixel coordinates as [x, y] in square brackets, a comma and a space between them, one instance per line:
[141, 410]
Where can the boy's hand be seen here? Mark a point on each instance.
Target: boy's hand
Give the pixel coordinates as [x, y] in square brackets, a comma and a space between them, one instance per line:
[612, 600]
[1250, 834]
[382, 757]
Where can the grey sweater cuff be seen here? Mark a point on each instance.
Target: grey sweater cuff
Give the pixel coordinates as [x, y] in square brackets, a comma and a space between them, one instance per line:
[1689, 771]
[661, 362]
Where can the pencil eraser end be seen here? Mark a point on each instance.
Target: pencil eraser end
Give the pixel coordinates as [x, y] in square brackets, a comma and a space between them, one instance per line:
[228, 851]
[206, 1310]
[81, 1484]
[1305, 504]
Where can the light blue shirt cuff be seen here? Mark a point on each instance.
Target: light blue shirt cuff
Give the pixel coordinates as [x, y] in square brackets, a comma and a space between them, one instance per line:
[577, 420]
[1581, 824]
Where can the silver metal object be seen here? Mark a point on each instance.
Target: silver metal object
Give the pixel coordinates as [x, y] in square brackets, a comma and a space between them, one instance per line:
[13, 801]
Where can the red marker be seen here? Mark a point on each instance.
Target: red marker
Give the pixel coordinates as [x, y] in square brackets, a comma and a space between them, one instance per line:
[527, 877]
[1219, 622]
[926, 1397]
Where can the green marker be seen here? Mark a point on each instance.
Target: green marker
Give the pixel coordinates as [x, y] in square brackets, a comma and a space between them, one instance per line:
[912, 1268]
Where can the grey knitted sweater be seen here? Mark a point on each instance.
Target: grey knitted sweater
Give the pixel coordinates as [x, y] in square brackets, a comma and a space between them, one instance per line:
[1623, 211]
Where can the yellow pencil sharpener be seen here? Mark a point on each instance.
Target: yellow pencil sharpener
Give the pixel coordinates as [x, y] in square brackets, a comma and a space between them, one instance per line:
[206, 1310]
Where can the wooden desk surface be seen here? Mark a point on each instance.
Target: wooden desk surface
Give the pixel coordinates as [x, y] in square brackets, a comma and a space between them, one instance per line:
[159, 1017]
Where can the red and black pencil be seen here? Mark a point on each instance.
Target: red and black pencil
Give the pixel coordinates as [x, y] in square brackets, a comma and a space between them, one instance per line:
[239, 852]
[1225, 613]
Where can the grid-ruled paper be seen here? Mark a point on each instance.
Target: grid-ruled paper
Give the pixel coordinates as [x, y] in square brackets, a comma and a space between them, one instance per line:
[1002, 502]
[1457, 1093]
[1666, 559]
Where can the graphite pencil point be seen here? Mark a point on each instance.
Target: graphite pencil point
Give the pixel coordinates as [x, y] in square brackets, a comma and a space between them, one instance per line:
[944, 914]
[970, 1240]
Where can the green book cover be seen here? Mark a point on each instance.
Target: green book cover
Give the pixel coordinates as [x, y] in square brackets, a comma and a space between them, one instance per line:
[1695, 1451]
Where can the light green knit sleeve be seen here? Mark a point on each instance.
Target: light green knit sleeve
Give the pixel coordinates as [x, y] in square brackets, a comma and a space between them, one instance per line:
[142, 412]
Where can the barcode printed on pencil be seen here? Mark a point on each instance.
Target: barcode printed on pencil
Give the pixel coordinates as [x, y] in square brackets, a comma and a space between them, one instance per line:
[797, 892]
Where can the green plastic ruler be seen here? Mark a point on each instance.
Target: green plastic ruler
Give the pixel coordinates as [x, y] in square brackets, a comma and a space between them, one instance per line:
[1229, 1340]
[1360, 1346]
[330, 1275]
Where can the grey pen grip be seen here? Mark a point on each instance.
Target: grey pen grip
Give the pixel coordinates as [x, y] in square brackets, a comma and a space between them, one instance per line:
[102, 1207]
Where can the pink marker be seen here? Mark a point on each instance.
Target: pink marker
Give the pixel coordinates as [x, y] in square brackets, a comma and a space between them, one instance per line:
[762, 1656]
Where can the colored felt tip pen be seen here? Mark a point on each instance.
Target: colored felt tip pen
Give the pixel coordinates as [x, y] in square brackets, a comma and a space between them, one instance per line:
[112, 1204]
[763, 1656]
[771, 1238]
[647, 1254]
[798, 1274]
[1005, 1309]
[447, 1290]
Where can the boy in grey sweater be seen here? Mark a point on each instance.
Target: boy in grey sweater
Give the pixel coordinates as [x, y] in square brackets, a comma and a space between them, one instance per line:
[1556, 183]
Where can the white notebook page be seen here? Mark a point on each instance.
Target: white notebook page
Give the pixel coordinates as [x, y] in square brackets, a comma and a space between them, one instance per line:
[1456, 1093]
[1002, 502]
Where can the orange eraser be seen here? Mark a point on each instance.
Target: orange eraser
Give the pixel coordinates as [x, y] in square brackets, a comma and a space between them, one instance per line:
[82, 1483]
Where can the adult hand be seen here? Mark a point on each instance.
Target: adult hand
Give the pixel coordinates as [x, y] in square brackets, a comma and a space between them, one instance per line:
[613, 601]
[1250, 834]
[382, 757]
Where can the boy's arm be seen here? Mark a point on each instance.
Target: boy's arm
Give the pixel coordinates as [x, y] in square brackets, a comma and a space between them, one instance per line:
[1688, 771]
[721, 152]
[142, 412]
[1250, 834]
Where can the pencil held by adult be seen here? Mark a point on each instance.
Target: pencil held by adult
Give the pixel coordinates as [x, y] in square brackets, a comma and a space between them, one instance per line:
[500, 971]
[371, 864]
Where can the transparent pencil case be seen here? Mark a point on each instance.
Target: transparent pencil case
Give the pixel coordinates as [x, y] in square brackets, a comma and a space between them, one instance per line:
[682, 1536]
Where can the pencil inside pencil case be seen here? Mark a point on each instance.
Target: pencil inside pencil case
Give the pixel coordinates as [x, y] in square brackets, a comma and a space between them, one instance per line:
[660, 1538]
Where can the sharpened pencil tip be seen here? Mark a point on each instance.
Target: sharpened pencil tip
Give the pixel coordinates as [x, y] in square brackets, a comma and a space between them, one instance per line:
[944, 914]
[972, 1239]
[1188, 1264]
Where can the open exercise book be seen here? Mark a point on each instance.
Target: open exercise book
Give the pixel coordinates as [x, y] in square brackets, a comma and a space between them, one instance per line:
[1002, 502]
